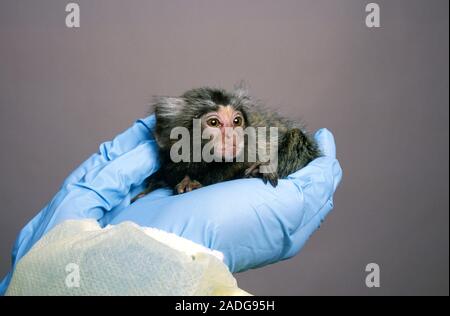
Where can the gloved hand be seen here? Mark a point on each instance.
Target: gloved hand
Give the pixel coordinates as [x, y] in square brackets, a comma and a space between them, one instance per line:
[251, 223]
[104, 182]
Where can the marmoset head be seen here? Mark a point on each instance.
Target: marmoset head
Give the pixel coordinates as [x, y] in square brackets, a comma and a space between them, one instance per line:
[222, 115]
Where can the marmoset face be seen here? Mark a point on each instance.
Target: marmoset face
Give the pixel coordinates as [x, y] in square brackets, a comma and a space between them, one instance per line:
[226, 126]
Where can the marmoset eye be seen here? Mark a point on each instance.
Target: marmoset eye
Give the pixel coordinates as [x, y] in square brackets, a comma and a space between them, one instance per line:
[213, 122]
[237, 121]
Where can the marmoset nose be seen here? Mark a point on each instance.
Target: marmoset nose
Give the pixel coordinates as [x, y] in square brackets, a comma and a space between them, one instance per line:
[226, 122]
[227, 127]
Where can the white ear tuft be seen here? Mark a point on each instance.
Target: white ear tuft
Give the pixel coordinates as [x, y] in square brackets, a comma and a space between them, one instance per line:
[241, 89]
[168, 106]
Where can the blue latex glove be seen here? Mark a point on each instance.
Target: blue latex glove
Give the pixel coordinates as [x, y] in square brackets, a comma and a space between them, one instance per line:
[251, 223]
[104, 182]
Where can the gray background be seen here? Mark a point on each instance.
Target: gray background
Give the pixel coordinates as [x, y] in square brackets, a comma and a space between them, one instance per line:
[383, 92]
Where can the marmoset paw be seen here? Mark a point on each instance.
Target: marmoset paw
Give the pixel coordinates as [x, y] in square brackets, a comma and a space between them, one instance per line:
[252, 171]
[187, 185]
[272, 178]
[263, 171]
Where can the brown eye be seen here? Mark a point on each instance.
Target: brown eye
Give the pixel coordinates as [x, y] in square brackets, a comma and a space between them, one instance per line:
[213, 122]
[237, 121]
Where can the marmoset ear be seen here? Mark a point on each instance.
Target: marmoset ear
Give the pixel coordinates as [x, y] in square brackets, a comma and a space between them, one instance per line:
[241, 88]
[168, 107]
[168, 111]
[242, 95]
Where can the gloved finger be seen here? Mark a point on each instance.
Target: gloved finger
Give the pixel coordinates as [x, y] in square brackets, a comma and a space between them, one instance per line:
[140, 131]
[325, 169]
[325, 140]
[106, 186]
[317, 182]
[301, 236]
[319, 178]
[158, 194]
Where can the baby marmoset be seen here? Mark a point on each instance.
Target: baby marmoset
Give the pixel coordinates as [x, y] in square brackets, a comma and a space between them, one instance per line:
[218, 110]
